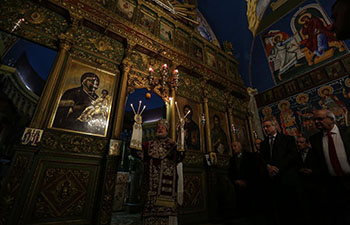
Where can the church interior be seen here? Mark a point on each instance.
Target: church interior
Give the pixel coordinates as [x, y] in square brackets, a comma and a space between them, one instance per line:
[85, 82]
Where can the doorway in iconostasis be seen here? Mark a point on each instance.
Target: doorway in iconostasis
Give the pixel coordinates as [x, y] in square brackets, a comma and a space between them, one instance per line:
[24, 68]
[127, 203]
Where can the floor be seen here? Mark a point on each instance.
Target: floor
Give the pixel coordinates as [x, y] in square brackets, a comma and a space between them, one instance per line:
[123, 218]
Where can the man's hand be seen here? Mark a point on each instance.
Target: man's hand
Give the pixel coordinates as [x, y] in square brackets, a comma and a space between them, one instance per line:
[240, 183]
[305, 171]
[272, 170]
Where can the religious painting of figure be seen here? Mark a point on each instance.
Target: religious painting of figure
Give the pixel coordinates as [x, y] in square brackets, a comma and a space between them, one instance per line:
[181, 40]
[334, 70]
[287, 119]
[166, 31]
[305, 114]
[219, 133]
[211, 59]
[241, 132]
[331, 102]
[300, 42]
[192, 122]
[282, 51]
[197, 52]
[85, 101]
[318, 41]
[126, 9]
[147, 21]
[221, 64]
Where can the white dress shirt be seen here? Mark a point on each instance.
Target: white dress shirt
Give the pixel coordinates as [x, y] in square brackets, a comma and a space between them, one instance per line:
[340, 150]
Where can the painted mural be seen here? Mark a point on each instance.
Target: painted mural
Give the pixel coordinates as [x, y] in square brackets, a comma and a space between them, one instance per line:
[300, 42]
[126, 9]
[294, 114]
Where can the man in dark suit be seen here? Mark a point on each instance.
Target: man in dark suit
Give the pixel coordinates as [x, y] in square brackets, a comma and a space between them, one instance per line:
[282, 162]
[312, 189]
[238, 175]
[332, 150]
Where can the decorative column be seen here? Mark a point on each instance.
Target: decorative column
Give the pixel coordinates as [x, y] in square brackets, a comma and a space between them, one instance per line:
[173, 115]
[207, 124]
[231, 121]
[122, 93]
[66, 41]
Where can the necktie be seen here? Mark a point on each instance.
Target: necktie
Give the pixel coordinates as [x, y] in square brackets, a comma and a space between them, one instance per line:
[333, 155]
[271, 140]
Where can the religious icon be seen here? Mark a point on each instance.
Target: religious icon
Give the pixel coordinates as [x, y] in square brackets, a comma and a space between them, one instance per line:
[166, 31]
[126, 9]
[85, 100]
[331, 102]
[218, 136]
[287, 118]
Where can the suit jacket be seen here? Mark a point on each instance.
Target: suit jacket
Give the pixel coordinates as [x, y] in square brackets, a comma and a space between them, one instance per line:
[320, 166]
[284, 156]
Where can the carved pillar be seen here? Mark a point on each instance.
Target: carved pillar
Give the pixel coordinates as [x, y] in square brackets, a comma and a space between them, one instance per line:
[172, 111]
[122, 93]
[42, 110]
[206, 112]
[231, 121]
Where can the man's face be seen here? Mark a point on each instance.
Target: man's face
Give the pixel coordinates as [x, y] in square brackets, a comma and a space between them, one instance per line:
[301, 143]
[186, 109]
[236, 146]
[269, 128]
[323, 122]
[257, 144]
[340, 15]
[161, 131]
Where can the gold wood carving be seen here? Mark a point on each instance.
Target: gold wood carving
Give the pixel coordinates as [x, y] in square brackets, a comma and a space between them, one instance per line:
[131, 31]
[63, 193]
[193, 159]
[35, 17]
[223, 161]
[137, 79]
[108, 191]
[70, 143]
[11, 188]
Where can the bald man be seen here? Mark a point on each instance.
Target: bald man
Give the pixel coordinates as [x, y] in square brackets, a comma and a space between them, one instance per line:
[332, 151]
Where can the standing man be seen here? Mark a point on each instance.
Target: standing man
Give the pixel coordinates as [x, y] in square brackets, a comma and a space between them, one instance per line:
[332, 151]
[238, 176]
[281, 161]
[160, 177]
[312, 186]
[341, 17]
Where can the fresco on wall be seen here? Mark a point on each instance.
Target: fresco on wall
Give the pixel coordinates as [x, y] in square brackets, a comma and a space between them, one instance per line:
[126, 9]
[219, 132]
[300, 42]
[166, 31]
[295, 113]
[147, 21]
[211, 59]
